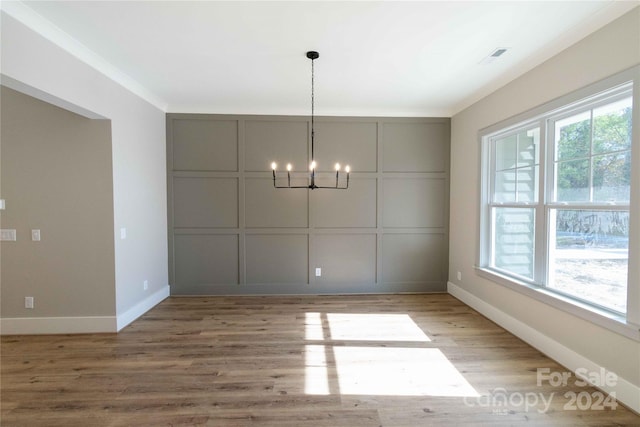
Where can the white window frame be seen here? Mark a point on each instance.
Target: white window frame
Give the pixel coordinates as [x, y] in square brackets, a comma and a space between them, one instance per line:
[600, 93]
[489, 204]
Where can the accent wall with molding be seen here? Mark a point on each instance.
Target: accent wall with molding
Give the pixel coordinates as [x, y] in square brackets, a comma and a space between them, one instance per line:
[232, 232]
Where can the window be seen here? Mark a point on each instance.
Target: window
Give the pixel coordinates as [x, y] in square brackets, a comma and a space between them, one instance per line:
[556, 200]
[515, 190]
[588, 218]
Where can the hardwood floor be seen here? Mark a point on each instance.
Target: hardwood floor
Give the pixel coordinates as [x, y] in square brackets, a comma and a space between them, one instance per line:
[400, 360]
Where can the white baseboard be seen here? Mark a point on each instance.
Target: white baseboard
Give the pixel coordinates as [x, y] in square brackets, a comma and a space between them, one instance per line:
[80, 325]
[625, 392]
[142, 307]
[57, 325]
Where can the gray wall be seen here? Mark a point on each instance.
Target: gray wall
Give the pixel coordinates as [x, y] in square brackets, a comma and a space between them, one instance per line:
[56, 176]
[231, 232]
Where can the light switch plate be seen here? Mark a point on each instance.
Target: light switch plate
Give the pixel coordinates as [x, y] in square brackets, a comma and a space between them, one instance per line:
[8, 235]
[35, 235]
[123, 233]
[2, 204]
[318, 272]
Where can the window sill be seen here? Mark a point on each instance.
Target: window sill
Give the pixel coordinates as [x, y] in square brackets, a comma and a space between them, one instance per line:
[611, 321]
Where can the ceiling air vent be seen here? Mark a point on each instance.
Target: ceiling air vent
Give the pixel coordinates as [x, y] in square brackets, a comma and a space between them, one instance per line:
[499, 51]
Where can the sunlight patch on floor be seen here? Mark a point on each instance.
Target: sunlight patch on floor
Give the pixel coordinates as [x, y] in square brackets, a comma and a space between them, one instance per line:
[382, 364]
[313, 327]
[398, 372]
[316, 379]
[374, 327]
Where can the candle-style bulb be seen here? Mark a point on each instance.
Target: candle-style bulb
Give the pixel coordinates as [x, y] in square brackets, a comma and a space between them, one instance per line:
[347, 169]
[274, 165]
[337, 166]
[313, 165]
[289, 167]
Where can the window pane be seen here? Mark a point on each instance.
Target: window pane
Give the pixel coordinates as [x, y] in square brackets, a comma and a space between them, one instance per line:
[505, 188]
[513, 240]
[527, 184]
[573, 136]
[612, 127]
[572, 181]
[589, 254]
[517, 164]
[612, 177]
[506, 152]
[527, 147]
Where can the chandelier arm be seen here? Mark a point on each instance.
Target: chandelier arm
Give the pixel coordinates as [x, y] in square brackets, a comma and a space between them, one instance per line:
[309, 187]
[331, 187]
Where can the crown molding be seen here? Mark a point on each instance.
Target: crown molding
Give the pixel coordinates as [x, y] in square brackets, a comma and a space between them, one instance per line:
[28, 17]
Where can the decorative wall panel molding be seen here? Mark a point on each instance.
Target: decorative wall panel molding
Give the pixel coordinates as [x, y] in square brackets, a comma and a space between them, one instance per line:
[231, 232]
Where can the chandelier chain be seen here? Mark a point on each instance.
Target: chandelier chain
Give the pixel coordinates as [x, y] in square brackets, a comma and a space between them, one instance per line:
[312, 108]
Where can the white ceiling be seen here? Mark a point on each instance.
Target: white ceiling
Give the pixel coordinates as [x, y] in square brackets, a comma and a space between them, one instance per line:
[376, 58]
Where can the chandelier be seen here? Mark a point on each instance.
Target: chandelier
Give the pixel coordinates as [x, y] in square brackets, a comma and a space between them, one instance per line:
[277, 178]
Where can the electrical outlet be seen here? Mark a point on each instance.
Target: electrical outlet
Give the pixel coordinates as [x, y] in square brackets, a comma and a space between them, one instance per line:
[145, 285]
[459, 275]
[8, 235]
[318, 272]
[28, 302]
[123, 233]
[35, 235]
